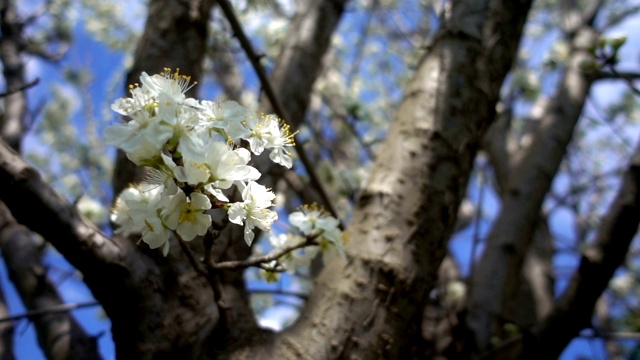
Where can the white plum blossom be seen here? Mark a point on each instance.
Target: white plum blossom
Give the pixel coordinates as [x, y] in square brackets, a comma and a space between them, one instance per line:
[252, 212]
[227, 116]
[220, 168]
[140, 98]
[192, 173]
[141, 138]
[228, 166]
[269, 132]
[296, 258]
[156, 234]
[193, 153]
[312, 221]
[138, 211]
[173, 84]
[92, 209]
[187, 215]
[130, 207]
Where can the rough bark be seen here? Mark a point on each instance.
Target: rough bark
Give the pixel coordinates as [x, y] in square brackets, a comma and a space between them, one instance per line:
[512, 232]
[369, 304]
[531, 288]
[573, 311]
[59, 335]
[12, 118]
[11, 46]
[145, 295]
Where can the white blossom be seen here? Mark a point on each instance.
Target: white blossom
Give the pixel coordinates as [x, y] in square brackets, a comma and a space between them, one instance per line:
[296, 258]
[228, 166]
[141, 138]
[252, 211]
[187, 215]
[138, 211]
[92, 209]
[190, 149]
[228, 116]
[312, 221]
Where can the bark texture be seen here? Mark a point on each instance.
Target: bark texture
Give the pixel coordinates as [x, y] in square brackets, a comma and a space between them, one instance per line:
[59, 335]
[572, 312]
[369, 304]
[512, 232]
[145, 295]
[11, 47]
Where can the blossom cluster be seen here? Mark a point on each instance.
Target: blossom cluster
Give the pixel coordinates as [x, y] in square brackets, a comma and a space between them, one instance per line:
[192, 151]
[309, 225]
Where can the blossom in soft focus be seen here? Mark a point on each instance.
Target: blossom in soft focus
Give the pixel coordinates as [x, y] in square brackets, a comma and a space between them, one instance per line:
[252, 212]
[296, 258]
[269, 132]
[141, 138]
[313, 221]
[228, 117]
[92, 209]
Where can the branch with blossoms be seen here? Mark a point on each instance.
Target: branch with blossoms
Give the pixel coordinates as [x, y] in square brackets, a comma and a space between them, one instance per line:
[254, 59]
[313, 231]
[191, 148]
[265, 259]
[193, 153]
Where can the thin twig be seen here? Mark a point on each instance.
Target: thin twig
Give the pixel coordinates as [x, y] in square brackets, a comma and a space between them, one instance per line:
[23, 87]
[278, 292]
[618, 335]
[239, 33]
[50, 310]
[239, 264]
[625, 76]
[197, 266]
[476, 224]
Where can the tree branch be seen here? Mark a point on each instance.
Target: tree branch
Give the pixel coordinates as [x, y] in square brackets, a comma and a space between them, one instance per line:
[275, 103]
[255, 261]
[626, 75]
[60, 336]
[56, 309]
[407, 211]
[11, 46]
[31, 200]
[512, 232]
[573, 311]
[20, 88]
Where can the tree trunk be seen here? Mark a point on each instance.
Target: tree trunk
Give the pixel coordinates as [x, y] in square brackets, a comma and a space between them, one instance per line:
[370, 304]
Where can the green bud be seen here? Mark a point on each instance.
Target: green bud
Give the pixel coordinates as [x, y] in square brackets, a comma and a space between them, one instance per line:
[617, 41]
